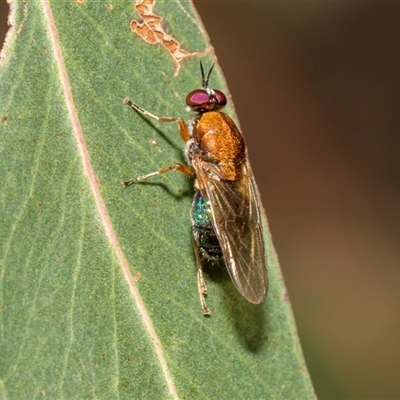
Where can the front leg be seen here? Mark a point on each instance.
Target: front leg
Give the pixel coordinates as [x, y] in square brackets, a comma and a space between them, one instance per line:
[183, 130]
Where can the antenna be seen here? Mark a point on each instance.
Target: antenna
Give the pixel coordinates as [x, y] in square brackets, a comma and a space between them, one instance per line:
[203, 77]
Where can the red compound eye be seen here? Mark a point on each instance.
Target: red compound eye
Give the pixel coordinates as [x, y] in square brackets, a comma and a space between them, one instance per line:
[203, 100]
[197, 98]
[221, 98]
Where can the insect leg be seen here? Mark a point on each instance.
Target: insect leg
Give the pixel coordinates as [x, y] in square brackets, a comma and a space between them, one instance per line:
[178, 167]
[201, 283]
[183, 130]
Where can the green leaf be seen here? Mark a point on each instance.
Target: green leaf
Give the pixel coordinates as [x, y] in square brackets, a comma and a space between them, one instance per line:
[98, 288]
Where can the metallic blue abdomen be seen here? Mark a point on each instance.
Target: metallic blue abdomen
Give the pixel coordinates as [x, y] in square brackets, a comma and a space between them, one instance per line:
[203, 231]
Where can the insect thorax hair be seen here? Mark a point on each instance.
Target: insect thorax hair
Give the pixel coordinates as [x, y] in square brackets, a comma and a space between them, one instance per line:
[190, 146]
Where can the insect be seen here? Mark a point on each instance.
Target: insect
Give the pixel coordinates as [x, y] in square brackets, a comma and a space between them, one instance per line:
[225, 214]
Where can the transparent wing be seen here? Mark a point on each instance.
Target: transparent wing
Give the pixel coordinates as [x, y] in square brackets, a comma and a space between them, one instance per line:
[236, 219]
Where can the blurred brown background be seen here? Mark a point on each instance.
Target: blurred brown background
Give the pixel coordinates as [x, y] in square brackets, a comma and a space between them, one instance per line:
[316, 87]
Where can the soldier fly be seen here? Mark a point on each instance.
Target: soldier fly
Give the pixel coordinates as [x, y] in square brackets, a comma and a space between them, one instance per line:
[225, 215]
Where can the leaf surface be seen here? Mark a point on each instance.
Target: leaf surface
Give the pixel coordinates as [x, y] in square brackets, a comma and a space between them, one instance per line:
[98, 287]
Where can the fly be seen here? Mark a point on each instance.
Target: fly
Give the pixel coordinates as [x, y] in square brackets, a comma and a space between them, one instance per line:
[225, 214]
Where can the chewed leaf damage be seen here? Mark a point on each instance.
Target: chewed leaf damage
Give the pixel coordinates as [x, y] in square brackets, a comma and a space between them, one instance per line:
[151, 30]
